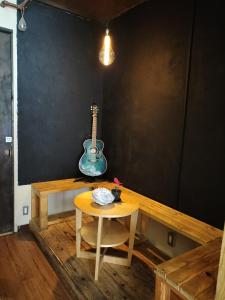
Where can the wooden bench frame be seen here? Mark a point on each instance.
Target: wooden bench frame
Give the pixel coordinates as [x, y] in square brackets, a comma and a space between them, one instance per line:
[192, 228]
[220, 287]
[40, 192]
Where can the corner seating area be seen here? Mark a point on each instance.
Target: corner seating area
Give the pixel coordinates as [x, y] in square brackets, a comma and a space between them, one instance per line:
[192, 275]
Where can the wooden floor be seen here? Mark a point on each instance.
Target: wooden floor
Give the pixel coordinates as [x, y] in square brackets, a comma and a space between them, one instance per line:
[25, 272]
[115, 282]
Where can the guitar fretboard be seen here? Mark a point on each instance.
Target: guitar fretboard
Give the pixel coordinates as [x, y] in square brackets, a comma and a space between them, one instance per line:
[94, 130]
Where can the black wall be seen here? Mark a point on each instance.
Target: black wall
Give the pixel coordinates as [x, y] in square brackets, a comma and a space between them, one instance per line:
[202, 191]
[163, 110]
[58, 79]
[163, 121]
[144, 94]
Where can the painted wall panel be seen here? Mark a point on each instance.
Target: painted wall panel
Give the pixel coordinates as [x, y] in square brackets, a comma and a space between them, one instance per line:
[202, 190]
[144, 97]
[58, 79]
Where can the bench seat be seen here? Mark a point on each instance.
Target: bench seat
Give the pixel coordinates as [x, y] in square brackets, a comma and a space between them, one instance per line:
[192, 275]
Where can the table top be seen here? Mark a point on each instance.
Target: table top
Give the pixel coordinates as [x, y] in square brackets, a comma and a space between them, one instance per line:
[124, 208]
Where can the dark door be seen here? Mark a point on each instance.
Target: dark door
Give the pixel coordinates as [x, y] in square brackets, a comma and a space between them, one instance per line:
[6, 161]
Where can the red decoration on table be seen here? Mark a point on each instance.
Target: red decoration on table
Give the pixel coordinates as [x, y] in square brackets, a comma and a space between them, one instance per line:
[116, 181]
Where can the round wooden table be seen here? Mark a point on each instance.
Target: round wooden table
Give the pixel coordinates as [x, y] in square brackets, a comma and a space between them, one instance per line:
[105, 231]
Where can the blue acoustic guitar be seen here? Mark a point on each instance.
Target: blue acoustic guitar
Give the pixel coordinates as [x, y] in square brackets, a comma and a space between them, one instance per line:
[93, 162]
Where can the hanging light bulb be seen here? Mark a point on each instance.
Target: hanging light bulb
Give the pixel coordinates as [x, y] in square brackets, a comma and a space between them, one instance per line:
[106, 54]
[22, 25]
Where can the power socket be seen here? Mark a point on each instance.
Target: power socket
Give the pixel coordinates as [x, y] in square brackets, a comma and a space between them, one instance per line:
[25, 210]
[171, 237]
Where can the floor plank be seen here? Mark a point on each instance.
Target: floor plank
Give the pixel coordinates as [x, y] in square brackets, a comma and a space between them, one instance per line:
[25, 272]
[115, 282]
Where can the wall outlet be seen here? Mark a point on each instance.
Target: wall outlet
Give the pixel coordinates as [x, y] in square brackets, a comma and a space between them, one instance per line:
[171, 237]
[25, 210]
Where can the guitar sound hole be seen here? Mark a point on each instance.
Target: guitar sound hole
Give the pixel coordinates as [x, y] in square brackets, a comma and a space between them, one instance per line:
[93, 151]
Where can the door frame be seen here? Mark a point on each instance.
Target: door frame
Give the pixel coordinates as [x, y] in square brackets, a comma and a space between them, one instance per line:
[10, 31]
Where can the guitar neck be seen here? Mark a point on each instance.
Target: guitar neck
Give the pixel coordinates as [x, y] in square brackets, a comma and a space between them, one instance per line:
[94, 131]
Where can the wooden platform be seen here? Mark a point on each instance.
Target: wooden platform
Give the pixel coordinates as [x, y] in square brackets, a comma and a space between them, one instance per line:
[194, 229]
[115, 282]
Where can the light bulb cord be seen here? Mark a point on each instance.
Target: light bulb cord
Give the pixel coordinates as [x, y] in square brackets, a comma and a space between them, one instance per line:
[22, 11]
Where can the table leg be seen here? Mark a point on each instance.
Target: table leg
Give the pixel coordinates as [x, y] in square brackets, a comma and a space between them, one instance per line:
[133, 224]
[78, 228]
[98, 247]
[43, 213]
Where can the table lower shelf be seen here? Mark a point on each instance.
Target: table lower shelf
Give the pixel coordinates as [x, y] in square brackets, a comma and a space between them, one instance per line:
[113, 233]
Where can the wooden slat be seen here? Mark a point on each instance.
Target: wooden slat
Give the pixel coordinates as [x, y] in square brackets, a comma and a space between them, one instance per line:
[208, 294]
[168, 267]
[194, 273]
[190, 227]
[55, 186]
[200, 283]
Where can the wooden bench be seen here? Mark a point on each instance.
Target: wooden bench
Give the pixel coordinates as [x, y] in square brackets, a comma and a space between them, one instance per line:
[186, 276]
[220, 287]
[192, 275]
[40, 192]
[192, 228]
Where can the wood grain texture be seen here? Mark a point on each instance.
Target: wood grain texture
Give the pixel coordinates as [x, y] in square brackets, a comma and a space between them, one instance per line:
[125, 208]
[55, 186]
[115, 282]
[25, 272]
[188, 226]
[98, 247]
[162, 291]
[99, 10]
[106, 232]
[220, 289]
[194, 273]
[113, 233]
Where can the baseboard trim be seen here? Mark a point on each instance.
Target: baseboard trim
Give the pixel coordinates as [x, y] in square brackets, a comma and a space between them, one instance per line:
[6, 233]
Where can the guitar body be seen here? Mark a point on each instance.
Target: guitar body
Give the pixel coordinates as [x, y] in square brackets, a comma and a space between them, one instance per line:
[93, 161]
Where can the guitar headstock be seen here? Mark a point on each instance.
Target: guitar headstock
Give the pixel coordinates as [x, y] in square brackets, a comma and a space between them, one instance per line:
[94, 110]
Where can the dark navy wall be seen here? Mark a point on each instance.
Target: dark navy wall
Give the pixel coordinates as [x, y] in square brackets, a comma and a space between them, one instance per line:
[58, 79]
[164, 107]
